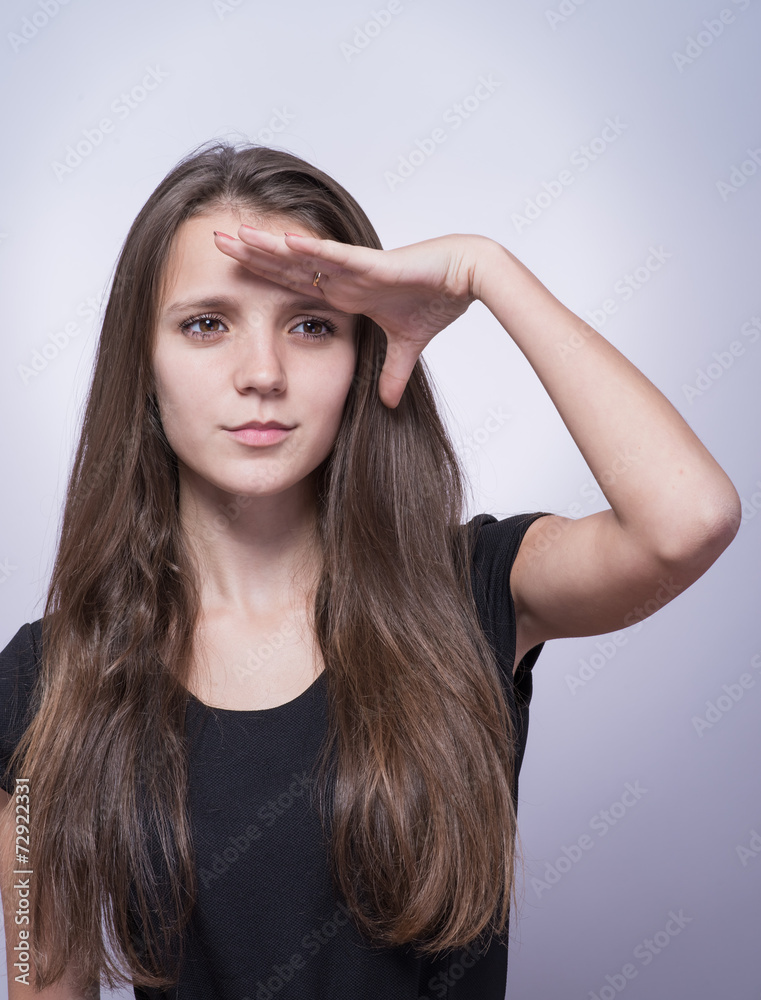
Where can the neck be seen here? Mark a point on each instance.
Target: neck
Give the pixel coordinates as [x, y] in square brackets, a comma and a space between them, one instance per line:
[251, 554]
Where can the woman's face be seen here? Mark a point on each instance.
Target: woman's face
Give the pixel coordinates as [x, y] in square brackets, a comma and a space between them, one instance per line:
[260, 352]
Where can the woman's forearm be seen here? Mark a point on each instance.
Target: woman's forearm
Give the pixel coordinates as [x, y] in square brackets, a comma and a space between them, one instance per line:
[660, 481]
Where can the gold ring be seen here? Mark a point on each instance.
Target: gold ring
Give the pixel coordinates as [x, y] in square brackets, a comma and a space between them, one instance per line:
[317, 276]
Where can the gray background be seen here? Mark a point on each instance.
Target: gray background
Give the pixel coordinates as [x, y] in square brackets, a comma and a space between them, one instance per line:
[356, 88]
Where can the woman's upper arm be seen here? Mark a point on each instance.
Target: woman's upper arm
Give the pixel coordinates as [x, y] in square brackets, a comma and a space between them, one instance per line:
[62, 990]
[588, 576]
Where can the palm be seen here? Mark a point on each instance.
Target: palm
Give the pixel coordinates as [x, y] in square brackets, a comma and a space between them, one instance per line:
[412, 292]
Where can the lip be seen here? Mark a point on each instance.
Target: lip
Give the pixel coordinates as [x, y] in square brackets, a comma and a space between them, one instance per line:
[258, 425]
[259, 436]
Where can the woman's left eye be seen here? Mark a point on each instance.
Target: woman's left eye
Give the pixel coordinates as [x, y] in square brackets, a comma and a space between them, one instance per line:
[328, 328]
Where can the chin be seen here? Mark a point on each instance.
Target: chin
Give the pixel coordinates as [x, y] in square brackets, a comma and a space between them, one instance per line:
[264, 486]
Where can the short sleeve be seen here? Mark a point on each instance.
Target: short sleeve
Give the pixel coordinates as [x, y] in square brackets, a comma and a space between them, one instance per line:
[496, 545]
[19, 666]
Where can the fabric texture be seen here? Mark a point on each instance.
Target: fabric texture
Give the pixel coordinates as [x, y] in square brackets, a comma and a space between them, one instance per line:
[267, 924]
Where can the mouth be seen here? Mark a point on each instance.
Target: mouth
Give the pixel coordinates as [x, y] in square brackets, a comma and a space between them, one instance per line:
[256, 434]
[259, 426]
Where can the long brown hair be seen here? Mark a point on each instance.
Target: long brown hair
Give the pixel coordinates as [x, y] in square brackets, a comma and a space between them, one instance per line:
[417, 771]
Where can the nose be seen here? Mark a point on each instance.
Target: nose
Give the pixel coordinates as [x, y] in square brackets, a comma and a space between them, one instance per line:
[258, 362]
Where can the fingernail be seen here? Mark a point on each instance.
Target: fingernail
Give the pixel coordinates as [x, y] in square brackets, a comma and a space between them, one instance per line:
[293, 234]
[243, 225]
[218, 233]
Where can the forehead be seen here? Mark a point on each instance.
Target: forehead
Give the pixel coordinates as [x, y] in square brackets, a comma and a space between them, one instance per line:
[194, 260]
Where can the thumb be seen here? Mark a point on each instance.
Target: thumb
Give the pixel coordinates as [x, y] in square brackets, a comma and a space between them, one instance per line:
[397, 367]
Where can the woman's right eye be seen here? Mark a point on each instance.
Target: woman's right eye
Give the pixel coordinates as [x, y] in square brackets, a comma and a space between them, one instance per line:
[201, 334]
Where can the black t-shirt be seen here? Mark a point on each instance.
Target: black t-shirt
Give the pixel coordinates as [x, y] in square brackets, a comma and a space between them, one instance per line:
[268, 924]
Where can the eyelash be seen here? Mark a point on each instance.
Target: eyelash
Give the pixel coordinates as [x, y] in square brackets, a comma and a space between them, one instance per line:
[185, 327]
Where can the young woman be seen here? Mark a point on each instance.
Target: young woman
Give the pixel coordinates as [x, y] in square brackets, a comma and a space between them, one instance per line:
[269, 728]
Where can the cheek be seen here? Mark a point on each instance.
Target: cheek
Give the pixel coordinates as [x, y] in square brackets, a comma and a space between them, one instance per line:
[165, 394]
[181, 398]
[330, 388]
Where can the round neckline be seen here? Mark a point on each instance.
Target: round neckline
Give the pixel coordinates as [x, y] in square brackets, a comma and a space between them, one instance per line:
[260, 711]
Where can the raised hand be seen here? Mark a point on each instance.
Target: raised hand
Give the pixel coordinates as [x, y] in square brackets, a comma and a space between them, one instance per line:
[412, 292]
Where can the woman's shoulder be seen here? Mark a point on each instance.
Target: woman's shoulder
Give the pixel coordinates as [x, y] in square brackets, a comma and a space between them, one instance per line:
[23, 649]
[498, 539]
[19, 668]
[495, 544]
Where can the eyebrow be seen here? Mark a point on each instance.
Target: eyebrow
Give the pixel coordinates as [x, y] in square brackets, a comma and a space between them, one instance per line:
[224, 302]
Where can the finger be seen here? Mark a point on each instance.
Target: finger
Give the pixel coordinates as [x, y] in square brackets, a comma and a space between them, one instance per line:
[266, 255]
[258, 240]
[344, 258]
[283, 270]
[262, 240]
[397, 367]
[343, 255]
